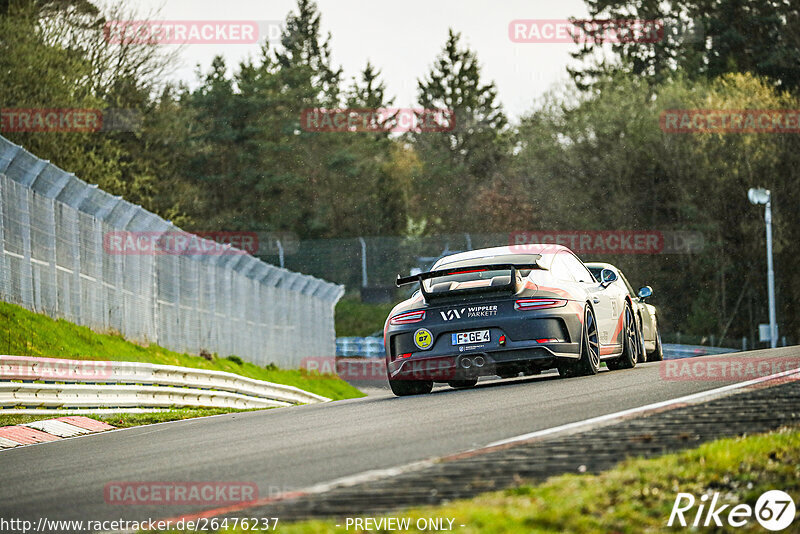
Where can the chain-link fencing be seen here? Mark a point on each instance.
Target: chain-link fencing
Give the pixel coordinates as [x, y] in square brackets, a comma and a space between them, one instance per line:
[55, 259]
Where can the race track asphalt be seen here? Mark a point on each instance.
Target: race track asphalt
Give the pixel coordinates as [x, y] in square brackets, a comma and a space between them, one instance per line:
[288, 449]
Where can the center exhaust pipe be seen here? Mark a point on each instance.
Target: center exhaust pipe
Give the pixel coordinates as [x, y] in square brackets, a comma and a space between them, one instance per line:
[479, 361]
[465, 362]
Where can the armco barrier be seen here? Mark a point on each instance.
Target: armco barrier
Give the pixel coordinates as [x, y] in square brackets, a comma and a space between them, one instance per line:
[49, 383]
[13, 394]
[674, 351]
[368, 347]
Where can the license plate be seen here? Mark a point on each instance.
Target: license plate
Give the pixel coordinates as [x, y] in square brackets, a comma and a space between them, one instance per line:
[465, 338]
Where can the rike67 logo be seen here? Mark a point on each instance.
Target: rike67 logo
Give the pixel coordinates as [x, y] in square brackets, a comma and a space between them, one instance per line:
[774, 510]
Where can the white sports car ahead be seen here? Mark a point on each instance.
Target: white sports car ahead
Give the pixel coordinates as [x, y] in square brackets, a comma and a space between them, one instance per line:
[646, 313]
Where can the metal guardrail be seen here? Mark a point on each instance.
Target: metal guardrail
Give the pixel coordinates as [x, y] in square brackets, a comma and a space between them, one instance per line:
[368, 347]
[58, 383]
[13, 394]
[674, 352]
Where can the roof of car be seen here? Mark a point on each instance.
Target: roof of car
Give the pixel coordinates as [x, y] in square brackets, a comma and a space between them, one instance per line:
[540, 249]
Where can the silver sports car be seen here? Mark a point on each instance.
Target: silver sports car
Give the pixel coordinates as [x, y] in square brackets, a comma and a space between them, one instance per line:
[504, 311]
[646, 313]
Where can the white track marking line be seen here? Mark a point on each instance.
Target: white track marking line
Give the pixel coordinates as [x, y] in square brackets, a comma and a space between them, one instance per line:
[378, 474]
[640, 409]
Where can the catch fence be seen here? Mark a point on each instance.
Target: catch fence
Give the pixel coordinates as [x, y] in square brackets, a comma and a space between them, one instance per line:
[54, 260]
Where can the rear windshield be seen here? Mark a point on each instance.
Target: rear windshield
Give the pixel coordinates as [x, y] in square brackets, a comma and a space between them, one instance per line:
[468, 279]
[477, 278]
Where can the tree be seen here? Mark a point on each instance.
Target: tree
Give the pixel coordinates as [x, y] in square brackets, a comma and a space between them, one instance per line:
[75, 66]
[369, 91]
[262, 170]
[704, 38]
[305, 58]
[606, 164]
[458, 160]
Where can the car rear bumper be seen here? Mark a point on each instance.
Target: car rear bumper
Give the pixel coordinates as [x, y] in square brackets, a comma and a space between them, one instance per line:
[475, 363]
[532, 339]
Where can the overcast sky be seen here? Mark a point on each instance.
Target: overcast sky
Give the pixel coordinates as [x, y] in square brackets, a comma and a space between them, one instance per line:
[402, 38]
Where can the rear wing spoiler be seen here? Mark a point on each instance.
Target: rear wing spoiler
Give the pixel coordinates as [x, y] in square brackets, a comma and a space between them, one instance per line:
[513, 267]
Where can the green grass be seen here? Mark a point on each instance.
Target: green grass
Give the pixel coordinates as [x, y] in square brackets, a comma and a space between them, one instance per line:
[25, 333]
[126, 420]
[356, 318]
[636, 496]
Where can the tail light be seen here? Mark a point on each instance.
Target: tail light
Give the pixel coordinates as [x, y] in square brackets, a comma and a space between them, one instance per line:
[408, 317]
[538, 304]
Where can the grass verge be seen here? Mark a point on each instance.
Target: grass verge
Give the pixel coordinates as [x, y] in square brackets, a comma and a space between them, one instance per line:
[26, 333]
[126, 420]
[636, 496]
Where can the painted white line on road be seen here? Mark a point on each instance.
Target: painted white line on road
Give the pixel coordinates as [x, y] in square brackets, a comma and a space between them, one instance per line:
[378, 474]
[703, 395]
[352, 480]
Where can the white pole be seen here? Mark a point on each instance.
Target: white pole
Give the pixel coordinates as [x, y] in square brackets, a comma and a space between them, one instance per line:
[773, 324]
[363, 262]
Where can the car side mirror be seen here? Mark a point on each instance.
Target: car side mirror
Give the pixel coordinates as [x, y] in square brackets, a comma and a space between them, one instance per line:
[607, 277]
[645, 292]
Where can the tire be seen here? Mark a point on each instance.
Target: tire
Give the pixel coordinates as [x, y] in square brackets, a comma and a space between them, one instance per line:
[463, 384]
[631, 344]
[589, 362]
[658, 353]
[642, 355]
[403, 388]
